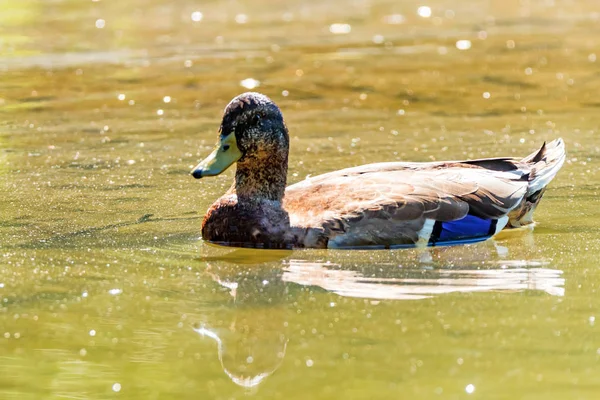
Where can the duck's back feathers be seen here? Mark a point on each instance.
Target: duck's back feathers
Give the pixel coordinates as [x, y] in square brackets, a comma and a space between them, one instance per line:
[401, 203]
[394, 203]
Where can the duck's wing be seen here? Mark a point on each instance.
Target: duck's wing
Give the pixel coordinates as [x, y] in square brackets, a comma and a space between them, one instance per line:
[390, 203]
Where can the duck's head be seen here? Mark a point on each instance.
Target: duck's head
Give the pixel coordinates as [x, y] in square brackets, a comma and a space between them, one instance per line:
[252, 132]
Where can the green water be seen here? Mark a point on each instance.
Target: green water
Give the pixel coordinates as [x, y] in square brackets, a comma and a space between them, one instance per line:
[107, 291]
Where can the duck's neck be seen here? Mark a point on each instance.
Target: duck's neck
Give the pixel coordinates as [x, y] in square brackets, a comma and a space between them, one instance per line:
[261, 178]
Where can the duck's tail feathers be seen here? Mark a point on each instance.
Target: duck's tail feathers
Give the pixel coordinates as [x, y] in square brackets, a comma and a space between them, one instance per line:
[545, 164]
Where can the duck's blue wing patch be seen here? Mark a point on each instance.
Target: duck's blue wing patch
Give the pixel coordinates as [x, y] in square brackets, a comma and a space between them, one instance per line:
[466, 230]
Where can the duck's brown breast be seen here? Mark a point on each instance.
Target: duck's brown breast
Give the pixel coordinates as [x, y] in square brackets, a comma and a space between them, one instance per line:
[252, 224]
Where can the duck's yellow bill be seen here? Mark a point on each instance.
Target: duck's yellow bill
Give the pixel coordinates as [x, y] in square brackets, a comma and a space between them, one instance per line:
[226, 153]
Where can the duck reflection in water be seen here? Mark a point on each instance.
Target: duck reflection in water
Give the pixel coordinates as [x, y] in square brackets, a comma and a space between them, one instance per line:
[263, 287]
[253, 342]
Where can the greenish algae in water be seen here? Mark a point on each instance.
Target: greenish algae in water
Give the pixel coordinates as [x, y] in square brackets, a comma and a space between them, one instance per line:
[106, 290]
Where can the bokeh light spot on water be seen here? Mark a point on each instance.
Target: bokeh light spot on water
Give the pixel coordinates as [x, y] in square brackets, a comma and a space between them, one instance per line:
[197, 16]
[100, 23]
[470, 388]
[167, 99]
[340, 29]
[394, 19]
[486, 95]
[309, 363]
[378, 39]
[510, 44]
[424, 11]
[528, 71]
[160, 112]
[463, 44]
[592, 57]
[116, 387]
[249, 83]
[285, 93]
[114, 292]
[121, 97]
[93, 332]
[241, 18]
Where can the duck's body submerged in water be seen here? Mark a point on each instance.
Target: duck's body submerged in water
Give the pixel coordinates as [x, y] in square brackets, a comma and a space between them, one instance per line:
[385, 205]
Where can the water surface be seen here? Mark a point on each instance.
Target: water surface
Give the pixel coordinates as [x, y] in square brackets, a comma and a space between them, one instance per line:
[107, 291]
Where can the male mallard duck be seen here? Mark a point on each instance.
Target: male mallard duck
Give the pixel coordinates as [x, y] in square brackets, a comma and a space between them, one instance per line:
[384, 205]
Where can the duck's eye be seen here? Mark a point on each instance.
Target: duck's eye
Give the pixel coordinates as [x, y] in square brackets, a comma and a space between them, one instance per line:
[226, 147]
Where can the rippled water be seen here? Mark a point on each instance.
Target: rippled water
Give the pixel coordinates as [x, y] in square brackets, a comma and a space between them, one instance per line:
[106, 290]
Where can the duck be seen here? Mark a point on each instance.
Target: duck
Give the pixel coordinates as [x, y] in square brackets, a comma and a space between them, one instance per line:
[385, 205]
